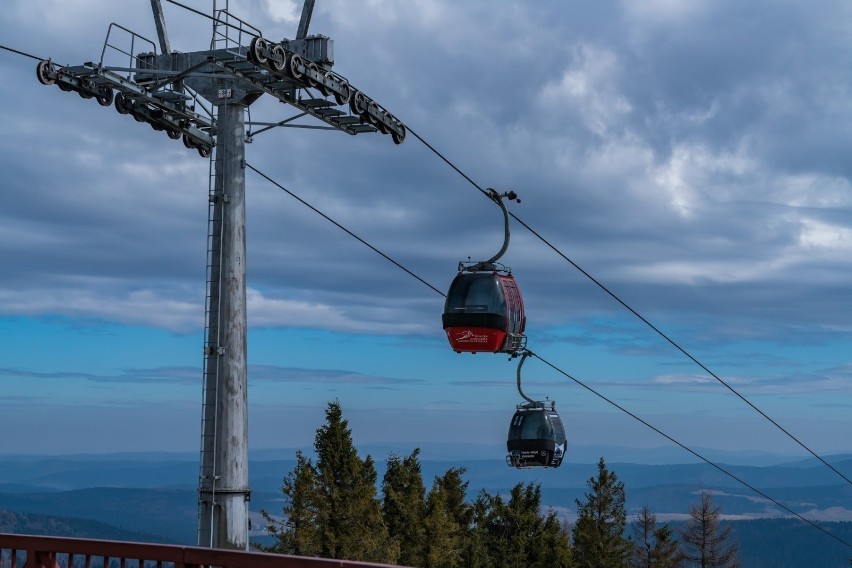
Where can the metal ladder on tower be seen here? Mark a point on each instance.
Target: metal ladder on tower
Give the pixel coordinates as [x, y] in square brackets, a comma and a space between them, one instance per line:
[208, 471]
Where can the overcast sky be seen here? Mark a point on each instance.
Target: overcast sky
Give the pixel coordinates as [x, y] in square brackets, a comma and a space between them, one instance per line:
[691, 156]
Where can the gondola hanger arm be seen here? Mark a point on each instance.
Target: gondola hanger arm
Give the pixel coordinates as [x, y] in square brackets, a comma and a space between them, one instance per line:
[526, 353]
[497, 198]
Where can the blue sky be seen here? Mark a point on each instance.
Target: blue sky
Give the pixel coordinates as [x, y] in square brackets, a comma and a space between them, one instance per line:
[691, 156]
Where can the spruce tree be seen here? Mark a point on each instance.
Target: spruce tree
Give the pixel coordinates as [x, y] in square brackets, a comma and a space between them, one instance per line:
[455, 490]
[478, 553]
[514, 534]
[552, 544]
[404, 507]
[299, 534]
[704, 543]
[599, 540]
[332, 510]
[497, 535]
[666, 553]
[444, 542]
[349, 513]
[448, 522]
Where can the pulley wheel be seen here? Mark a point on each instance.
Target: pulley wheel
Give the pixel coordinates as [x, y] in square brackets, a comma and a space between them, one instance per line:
[380, 124]
[278, 51]
[293, 64]
[345, 93]
[315, 69]
[188, 142]
[322, 87]
[358, 104]
[372, 112]
[42, 70]
[83, 89]
[105, 95]
[122, 104]
[257, 47]
[173, 134]
[398, 137]
[204, 151]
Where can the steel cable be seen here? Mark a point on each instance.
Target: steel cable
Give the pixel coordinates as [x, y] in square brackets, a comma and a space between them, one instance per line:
[25, 54]
[567, 375]
[638, 315]
[613, 295]
[690, 450]
[341, 227]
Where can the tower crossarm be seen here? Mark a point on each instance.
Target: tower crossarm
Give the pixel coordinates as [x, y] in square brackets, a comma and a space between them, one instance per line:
[146, 91]
[164, 109]
[164, 90]
[306, 63]
[287, 92]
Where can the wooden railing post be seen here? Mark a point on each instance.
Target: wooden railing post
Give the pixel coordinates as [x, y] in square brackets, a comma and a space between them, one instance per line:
[41, 559]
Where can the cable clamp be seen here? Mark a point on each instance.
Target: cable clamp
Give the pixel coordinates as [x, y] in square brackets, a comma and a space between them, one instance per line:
[510, 195]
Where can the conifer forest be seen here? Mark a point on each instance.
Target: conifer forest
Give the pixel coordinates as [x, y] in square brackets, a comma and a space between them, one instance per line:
[334, 509]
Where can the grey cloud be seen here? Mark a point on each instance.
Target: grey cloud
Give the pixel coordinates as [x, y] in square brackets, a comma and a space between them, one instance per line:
[322, 376]
[55, 375]
[678, 160]
[486, 384]
[193, 376]
[187, 375]
[836, 380]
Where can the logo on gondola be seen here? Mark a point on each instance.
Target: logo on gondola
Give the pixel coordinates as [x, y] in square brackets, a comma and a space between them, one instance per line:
[559, 450]
[471, 337]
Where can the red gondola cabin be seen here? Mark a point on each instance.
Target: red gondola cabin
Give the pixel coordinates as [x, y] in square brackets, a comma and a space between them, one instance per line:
[484, 312]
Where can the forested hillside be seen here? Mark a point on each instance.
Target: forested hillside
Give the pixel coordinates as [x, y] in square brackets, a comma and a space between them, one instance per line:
[29, 523]
[337, 503]
[332, 509]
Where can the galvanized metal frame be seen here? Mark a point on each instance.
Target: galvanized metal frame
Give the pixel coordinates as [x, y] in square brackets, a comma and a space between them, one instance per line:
[169, 91]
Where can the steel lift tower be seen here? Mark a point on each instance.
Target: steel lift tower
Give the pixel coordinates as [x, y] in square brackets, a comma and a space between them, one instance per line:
[202, 97]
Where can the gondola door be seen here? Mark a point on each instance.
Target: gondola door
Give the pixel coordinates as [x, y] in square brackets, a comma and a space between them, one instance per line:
[514, 313]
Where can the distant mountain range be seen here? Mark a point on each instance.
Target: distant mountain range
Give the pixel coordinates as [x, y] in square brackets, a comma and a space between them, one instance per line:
[805, 486]
[151, 497]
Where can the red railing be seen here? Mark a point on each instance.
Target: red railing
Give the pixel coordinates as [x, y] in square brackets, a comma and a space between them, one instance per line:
[25, 551]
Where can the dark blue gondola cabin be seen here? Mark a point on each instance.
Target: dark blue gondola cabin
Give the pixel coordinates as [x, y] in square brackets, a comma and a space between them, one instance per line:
[536, 438]
[484, 312]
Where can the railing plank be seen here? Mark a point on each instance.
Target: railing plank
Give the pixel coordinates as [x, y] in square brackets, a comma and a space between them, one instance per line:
[105, 548]
[42, 551]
